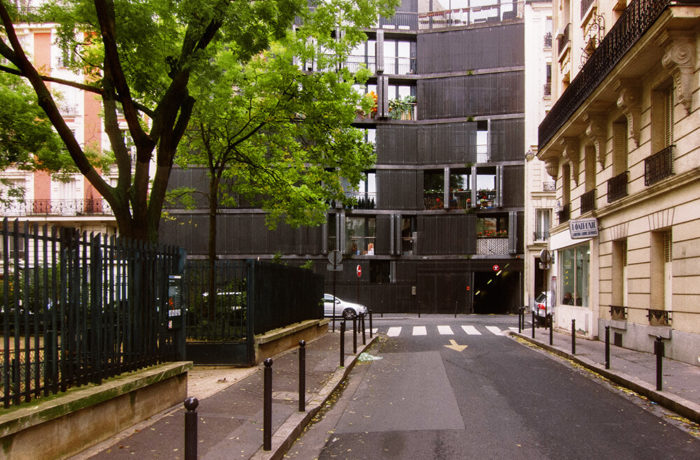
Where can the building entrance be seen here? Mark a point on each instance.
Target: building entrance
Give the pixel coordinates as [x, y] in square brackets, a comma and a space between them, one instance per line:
[496, 292]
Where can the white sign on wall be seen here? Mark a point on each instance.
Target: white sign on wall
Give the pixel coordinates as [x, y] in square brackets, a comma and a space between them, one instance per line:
[583, 228]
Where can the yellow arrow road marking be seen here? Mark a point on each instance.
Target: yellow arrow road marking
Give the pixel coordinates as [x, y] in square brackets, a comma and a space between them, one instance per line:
[453, 346]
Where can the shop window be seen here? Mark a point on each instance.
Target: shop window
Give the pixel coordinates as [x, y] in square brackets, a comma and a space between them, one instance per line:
[574, 271]
[360, 235]
[460, 189]
[434, 189]
[379, 271]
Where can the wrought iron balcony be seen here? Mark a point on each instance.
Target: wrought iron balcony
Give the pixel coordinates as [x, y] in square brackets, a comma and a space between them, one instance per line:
[618, 313]
[588, 201]
[635, 21]
[48, 207]
[549, 186]
[617, 187]
[564, 214]
[659, 317]
[658, 166]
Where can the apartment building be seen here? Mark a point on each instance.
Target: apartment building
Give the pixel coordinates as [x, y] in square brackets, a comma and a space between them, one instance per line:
[439, 220]
[622, 142]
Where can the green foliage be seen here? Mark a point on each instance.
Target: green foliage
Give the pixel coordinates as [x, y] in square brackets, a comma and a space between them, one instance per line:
[308, 265]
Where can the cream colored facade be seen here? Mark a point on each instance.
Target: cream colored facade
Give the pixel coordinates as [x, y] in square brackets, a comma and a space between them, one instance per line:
[623, 143]
[539, 186]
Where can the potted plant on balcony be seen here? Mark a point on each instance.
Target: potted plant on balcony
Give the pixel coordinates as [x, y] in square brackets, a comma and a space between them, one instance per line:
[402, 109]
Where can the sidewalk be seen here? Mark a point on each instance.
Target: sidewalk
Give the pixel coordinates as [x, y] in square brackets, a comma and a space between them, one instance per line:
[632, 369]
[230, 420]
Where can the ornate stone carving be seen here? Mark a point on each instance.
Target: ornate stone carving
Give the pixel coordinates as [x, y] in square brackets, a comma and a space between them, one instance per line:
[570, 153]
[596, 131]
[551, 165]
[679, 59]
[629, 99]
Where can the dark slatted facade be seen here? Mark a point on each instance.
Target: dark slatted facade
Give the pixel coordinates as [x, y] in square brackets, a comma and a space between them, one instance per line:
[448, 204]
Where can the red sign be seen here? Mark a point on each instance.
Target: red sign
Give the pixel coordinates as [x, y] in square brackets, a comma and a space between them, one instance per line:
[359, 271]
[496, 267]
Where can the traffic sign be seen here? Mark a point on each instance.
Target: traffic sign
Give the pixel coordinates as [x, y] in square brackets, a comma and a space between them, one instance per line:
[359, 271]
[495, 267]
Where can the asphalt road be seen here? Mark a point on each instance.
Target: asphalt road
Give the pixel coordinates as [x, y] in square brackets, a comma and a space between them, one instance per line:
[496, 398]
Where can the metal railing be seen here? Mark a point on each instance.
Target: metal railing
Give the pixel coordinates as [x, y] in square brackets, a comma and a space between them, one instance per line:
[658, 166]
[549, 186]
[634, 22]
[490, 246]
[617, 187]
[548, 40]
[460, 17]
[51, 207]
[564, 213]
[588, 201]
[618, 312]
[659, 317]
[78, 309]
[540, 235]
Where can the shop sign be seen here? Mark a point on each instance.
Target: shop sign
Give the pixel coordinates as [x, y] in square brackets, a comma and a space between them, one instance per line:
[583, 228]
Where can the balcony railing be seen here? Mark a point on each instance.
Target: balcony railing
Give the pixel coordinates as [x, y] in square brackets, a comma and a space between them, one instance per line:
[564, 38]
[659, 317]
[48, 207]
[658, 166]
[618, 313]
[549, 186]
[637, 18]
[548, 40]
[564, 213]
[365, 200]
[494, 12]
[540, 235]
[548, 88]
[617, 187]
[588, 201]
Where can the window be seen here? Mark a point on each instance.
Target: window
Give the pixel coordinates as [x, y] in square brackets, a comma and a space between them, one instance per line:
[543, 219]
[366, 193]
[485, 187]
[408, 228]
[360, 234]
[434, 189]
[573, 272]
[482, 141]
[619, 278]
[397, 57]
[460, 189]
[492, 227]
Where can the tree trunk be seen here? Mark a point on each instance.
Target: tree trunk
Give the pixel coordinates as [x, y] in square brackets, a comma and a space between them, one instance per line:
[213, 206]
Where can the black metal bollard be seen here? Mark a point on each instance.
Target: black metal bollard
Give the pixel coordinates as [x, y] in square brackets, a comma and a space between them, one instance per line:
[267, 406]
[551, 329]
[342, 344]
[520, 319]
[191, 428]
[302, 376]
[370, 324]
[364, 339]
[533, 324]
[354, 334]
[573, 336]
[607, 347]
[659, 352]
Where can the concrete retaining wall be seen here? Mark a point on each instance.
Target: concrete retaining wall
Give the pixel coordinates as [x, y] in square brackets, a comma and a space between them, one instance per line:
[69, 423]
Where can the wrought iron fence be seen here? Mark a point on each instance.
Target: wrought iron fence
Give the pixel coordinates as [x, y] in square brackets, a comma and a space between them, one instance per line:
[658, 166]
[617, 187]
[659, 317]
[634, 22]
[618, 312]
[52, 207]
[564, 213]
[77, 309]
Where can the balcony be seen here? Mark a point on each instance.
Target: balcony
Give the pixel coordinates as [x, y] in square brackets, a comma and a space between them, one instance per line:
[618, 313]
[658, 166]
[588, 201]
[617, 187]
[634, 22]
[48, 207]
[564, 213]
[548, 40]
[489, 12]
[659, 317]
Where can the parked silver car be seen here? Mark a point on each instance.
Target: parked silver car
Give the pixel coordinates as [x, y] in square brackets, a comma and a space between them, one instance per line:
[542, 307]
[347, 310]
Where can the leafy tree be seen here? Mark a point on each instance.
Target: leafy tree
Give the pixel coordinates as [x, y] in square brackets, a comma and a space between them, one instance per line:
[275, 136]
[141, 57]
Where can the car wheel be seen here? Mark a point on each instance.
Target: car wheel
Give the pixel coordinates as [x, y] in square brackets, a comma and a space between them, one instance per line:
[348, 313]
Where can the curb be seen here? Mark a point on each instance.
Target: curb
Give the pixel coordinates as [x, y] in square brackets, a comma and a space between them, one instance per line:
[284, 437]
[681, 406]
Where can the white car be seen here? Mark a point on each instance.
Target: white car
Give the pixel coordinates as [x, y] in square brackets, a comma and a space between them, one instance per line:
[347, 310]
[542, 308]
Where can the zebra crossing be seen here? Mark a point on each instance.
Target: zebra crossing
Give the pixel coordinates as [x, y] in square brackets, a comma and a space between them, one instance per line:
[398, 331]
